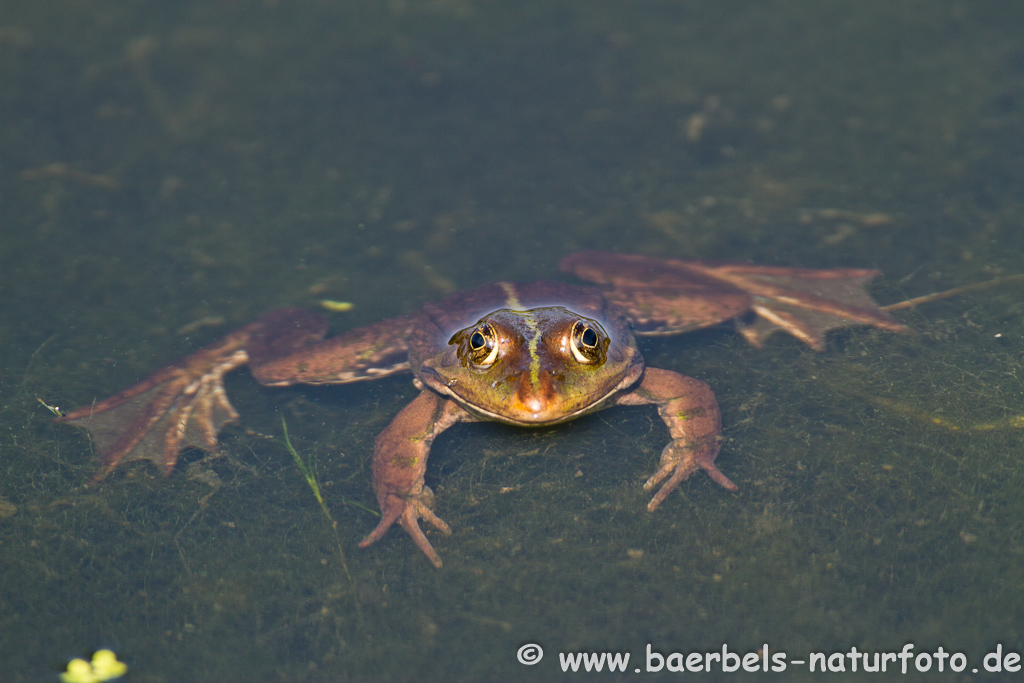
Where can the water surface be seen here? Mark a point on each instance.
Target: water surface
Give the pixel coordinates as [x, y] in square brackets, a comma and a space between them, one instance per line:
[215, 160]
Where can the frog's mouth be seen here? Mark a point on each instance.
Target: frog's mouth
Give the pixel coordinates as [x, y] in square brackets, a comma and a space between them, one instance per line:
[531, 409]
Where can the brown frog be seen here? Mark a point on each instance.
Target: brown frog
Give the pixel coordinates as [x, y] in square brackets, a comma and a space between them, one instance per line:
[526, 354]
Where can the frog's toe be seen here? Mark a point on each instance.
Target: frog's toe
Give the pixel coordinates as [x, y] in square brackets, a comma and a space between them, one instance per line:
[410, 523]
[407, 511]
[680, 460]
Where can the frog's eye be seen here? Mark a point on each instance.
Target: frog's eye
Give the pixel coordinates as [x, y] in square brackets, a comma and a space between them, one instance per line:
[483, 346]
[587, 343]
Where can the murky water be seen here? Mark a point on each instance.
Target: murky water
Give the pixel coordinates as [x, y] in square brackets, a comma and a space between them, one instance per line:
[171, 170]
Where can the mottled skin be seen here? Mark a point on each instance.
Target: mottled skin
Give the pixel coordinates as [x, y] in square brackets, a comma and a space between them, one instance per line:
[527, 354]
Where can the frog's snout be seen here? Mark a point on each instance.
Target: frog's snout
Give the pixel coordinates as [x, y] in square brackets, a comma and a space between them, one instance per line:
[536, 397]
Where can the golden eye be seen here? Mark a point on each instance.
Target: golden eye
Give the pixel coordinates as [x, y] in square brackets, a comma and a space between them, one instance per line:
[587, 343]
[483, 346]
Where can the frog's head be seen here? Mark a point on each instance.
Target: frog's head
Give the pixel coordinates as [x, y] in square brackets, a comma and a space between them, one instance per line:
[534, 367]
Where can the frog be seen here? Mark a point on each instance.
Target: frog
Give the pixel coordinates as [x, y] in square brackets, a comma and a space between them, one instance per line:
[527, 354]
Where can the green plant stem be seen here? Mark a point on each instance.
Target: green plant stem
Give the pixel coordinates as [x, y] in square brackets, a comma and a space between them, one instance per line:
[307, 472]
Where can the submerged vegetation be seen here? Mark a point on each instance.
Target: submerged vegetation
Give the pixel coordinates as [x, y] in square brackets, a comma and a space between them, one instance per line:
[309, 474]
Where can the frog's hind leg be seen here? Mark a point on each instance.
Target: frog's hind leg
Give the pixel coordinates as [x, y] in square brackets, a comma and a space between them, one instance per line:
[669, 296]
[184, 404]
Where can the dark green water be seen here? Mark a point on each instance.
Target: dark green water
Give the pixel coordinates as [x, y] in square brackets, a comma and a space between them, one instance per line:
[225, 158]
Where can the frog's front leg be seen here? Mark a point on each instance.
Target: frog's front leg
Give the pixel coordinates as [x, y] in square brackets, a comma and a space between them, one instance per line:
[399, 461]
[689, 410]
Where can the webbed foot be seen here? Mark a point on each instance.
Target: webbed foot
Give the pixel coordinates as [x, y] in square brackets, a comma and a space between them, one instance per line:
[669, 296]
[183, 404]
[180, 405]
[805, 303]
